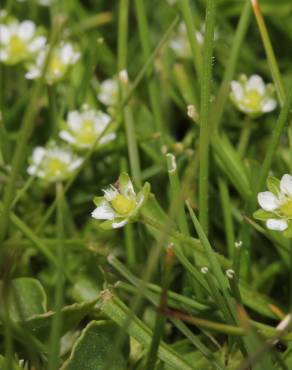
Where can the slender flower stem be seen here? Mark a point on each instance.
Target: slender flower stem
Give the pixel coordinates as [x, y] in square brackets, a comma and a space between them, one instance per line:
[227, 215]
[119, 313]
[153, 89]
[222, 96]
[160, 318]
[54, 352]
[176, 193]
[54, 120]
[244, 136]
[204, 141]
[191, 31]
[194, 339]
[269, 51]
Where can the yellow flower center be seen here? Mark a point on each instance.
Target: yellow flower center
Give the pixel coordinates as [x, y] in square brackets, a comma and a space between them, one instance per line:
[55, 167]
[87, 135]
[123, 205]
[253, 100]
[17, 47]
[56, 66]
[286, 208]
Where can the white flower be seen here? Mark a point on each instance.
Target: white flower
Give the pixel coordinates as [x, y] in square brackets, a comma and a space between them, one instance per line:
[276, 204]
[109, 92]
[19, 41]
[53, 163]
[40, 2]
[62, 58]
[84, 127]
[180, 43]
[120, 204]
[252, 96]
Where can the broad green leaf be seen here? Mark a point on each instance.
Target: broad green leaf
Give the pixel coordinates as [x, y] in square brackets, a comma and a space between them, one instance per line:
[85, 289]
[71, 316]
[27, 298]
[94, 347]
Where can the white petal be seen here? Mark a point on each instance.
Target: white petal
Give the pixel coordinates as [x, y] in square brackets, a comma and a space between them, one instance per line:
[32, 73]
[74, 120]
[255, 82]
[32, 170]
[277, 225]
[105, 139]
[268, 201]
[65, 135]
[103, 212]
[286, 185]
[269, 104]
[75, 164]
[200, 37]
[26, 30]
[4, 34]
[237, 90]
[3, 55]
[37, 44]
[38, 154]
[108, 92]
[116, 225]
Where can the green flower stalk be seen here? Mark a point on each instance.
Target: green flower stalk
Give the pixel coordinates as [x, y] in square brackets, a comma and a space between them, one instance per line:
[120, 204]
[252, 96]
[276, 205]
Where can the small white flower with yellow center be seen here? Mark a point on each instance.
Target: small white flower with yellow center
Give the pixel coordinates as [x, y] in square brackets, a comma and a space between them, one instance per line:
[19, 41]
[120, 204]
[83, 128]
[252, 96]
[277, 205]
[53, 163]
[109, 92]
[62, 58]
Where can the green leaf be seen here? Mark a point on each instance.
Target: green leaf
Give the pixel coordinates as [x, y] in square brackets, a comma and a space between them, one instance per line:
[27, 298]
[273, 184]
[85, 289]
[263, 215]
[71, 316]
[288, 232]
[93, 348]
[2, 364]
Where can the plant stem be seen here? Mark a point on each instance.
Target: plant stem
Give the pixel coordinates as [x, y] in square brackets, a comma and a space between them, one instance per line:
[54, 352]
[54, 120]
[160, 318]
[269, 51]
[227, 216]
[119, 313]
[153, 89]
[204, 141]
[222, 96]
[191, 31]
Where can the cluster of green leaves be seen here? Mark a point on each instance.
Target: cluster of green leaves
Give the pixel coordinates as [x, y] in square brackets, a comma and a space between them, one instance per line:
[151, 295]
